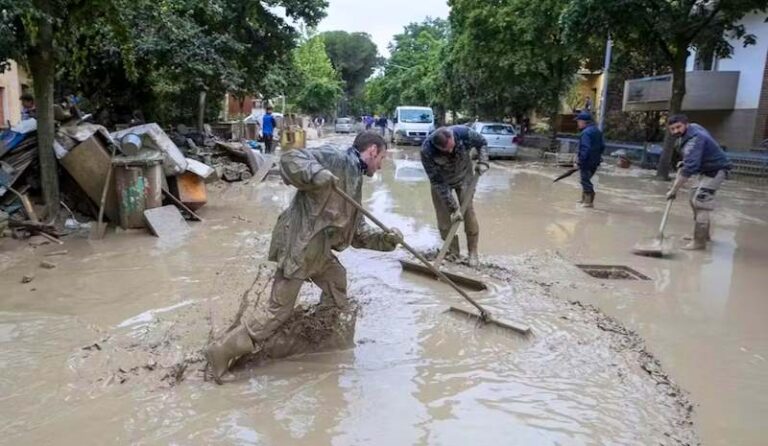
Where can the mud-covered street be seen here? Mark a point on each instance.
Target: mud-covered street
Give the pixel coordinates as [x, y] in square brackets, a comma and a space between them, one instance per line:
[109, 339]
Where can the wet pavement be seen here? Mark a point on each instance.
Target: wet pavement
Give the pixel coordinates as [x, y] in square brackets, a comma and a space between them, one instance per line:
[416, 375]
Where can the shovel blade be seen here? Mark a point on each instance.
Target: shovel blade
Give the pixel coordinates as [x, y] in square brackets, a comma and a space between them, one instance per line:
[507, 325]
[464, 281]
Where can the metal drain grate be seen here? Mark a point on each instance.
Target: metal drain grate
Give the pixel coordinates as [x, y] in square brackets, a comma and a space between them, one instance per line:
[613, 272]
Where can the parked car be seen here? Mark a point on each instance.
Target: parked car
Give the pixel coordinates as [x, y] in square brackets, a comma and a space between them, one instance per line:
[502, 138]
[344, 125]
[412, 125]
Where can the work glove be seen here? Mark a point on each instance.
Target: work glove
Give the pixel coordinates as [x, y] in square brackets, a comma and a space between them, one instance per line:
[456, 216]
[672, 194]
[325, 178]
[394, 237]
[481, 168]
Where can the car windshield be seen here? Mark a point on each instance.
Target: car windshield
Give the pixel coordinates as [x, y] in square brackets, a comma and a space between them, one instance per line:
[416, 116]
[343, 121]
[498, 129]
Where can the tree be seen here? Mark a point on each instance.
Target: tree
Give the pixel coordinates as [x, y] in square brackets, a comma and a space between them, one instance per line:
[511, 57]
[319, 86]
[354, 56]
[29, 33]
[414, 72]
[669, 28]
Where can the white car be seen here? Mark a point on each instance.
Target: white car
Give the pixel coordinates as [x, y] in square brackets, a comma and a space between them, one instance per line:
[344, 125]
[412, 124]
[502, 138]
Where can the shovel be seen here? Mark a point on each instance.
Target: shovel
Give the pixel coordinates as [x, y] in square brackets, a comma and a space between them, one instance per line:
[481, 314]
[97, 232]
[467, 282]
[567, 173]
[654, 248]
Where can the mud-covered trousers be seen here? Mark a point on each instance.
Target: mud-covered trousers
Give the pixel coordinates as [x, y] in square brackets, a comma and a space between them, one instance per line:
[471, 226]
[586, 179]
[330, 277]
[702, 198]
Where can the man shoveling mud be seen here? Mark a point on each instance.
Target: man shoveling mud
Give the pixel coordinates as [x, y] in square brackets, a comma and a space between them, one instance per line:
[445, 155]
[702, 156]
[318, 222]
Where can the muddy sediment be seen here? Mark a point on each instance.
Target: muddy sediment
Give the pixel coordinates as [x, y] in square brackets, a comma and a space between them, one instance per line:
[117, 341]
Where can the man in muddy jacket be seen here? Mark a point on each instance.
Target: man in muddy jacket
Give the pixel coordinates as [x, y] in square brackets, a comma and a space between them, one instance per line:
[446, 156]
[591, 147]
[318, 222]
[703, 157]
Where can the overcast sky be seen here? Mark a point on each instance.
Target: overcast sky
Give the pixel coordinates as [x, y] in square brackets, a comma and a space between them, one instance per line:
[382, 19]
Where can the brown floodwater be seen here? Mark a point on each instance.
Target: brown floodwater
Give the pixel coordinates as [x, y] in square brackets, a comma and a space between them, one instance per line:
[84, 347]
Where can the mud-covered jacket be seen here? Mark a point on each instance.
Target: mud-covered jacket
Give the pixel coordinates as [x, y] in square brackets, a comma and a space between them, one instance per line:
[701, 153]
[449, 170]
[318, 219]
[591, 147]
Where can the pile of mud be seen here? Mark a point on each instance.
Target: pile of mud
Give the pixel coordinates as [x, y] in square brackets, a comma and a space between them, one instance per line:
[168, 350]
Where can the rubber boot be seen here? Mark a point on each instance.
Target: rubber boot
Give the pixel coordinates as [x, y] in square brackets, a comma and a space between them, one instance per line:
[699, 241]
[581, 201]
[689, 237]
[589, 200]
[236, 343]
[472, 248]
[454, 253]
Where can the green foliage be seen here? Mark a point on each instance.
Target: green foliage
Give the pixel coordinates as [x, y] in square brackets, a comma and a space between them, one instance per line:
[319, 85]
[511, 57]
[414, 72]
[354, 56]
[157, 55]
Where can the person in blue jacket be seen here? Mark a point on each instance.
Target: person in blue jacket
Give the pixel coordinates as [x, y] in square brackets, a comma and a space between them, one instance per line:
[703, 157]
[268, 126]
[591, 146]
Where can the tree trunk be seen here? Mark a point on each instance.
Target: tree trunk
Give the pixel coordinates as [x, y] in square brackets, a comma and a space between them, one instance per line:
[675, 106]
[201, 112]
[43, 69]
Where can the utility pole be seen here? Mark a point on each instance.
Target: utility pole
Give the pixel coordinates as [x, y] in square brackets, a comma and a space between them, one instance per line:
[604, 90]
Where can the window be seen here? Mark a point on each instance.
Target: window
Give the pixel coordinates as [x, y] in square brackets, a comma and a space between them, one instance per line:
[498, 129]
[416, 116]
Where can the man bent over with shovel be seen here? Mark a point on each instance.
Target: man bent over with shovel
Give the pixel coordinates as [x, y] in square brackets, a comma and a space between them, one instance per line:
[318, 222]
[445, 155]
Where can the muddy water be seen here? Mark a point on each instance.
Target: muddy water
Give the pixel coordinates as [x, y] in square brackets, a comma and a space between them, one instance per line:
[416, 375]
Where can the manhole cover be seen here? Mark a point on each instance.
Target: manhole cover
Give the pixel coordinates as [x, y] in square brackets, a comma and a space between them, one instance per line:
[613, 272]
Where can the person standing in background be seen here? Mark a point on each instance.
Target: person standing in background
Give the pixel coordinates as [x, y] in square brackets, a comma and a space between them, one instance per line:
[28, 109]
[268, 126]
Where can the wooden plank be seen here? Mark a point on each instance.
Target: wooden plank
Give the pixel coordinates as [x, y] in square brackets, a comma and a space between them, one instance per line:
[166, 221]
[269, 161]
[88, 163]
[181, 205]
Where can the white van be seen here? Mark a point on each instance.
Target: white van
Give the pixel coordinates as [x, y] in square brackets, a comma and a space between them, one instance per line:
[411, 124]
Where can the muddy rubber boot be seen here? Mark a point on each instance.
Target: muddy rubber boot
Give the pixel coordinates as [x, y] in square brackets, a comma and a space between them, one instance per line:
[699, 241]
[454, 253]
[689, 237]
[219, 354]
[589, 200]
[472, 248]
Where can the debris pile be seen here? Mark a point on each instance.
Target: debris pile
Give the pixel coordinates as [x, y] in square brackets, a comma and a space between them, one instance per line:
[119, 177]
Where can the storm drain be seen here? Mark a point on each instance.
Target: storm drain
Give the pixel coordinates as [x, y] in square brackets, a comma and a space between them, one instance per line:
[613, 272]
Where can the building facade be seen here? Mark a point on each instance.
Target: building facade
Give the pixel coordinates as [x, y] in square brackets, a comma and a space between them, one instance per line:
[727, 96]
[13, 83]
